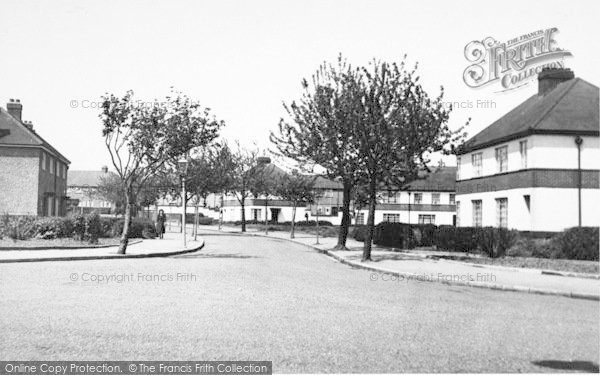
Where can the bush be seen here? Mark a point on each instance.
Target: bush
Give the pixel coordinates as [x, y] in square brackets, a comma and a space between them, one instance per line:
[17, 227]
[394, 235]
[494, 241]
[359, 232]
[576, 243]
[310, 223]
[78, 222]
[52, 227]
[205, 220]
[138, 228]
[93, 227]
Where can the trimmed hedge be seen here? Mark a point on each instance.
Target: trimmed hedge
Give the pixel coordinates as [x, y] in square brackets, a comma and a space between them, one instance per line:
[576, 243]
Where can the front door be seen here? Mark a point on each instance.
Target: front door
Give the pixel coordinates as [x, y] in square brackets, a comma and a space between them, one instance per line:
[275, 215]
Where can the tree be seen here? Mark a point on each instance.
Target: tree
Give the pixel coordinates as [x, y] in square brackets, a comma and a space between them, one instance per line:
[241, 175]
[141, 138]
[297, 189]
[399, 126]
[264, 181]
[321, 131]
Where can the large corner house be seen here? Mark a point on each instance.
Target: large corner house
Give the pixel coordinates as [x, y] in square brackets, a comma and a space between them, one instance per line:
[427, 200]
[33, 174]
[537, 167]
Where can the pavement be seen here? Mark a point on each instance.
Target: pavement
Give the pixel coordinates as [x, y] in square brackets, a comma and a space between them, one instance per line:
[170, 245]
[406, 266]
[256, 298]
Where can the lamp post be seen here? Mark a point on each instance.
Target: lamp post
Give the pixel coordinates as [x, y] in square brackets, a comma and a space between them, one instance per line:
[578, 142]
[183, 164]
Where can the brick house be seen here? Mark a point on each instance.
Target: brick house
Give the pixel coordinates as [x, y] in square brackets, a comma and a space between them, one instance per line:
[537, 167]
[82, 188]
[33, 174]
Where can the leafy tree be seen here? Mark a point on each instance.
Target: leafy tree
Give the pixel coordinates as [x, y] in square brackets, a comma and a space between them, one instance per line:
[141, 138]
[297, 189]
[399, 126]
[321, 131]
[241, 175]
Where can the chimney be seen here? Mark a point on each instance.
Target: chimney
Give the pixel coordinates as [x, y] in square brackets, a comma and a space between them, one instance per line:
[549, 78]
[15, 108]
[28, 125]
[104, 169]
[263, 160]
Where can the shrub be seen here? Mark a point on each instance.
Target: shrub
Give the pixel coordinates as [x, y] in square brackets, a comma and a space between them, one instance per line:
[138, 228]
[394, 235]
[53, 227]
[359, 232]
[78, 222]
[576, 243]
[205, 220]
[17, 227]
[494, 241]
[93, 227]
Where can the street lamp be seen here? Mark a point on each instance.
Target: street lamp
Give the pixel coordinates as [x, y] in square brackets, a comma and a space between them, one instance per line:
[183, 165]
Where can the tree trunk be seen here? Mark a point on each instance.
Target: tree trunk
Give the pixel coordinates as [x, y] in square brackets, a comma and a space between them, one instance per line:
[243, 204]
[196, 223]
[293, 220]
[125, 235]
[370, 221]
[345, 225]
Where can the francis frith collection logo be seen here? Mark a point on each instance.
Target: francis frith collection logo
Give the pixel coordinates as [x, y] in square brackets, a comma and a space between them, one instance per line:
[513, 63]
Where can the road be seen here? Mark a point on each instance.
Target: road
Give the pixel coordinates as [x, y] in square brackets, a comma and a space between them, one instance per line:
[262, 299]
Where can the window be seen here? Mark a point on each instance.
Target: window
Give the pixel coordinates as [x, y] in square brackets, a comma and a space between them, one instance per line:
[426, 219]
[435, 198]
[52, 165]
[391, 197]
[360, 218]
[391, 218]
[477, 164]
[255, 214]
[502, 212]
[523, 150]
[502, 159]
[418, 198]
[458, 214]
[477, 214]
[452, 198]
[44, 161]
[527, 202]
[458, 167]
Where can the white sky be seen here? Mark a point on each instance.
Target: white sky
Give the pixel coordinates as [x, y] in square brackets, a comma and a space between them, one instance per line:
[243, 58]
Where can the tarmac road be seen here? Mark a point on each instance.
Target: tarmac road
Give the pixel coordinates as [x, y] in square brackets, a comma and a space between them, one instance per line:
[252, 298]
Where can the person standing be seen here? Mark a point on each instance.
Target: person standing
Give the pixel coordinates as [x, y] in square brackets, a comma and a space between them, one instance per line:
[160, 224]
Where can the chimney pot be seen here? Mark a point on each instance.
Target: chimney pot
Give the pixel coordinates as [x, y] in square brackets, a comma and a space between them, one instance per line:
[104, 169]
[263, 160]
[549, 78]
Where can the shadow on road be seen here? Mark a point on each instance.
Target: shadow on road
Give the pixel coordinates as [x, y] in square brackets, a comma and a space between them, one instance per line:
[584, 366]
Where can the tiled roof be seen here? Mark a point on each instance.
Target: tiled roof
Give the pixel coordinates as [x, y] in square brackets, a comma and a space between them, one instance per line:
[439, 179]
[570, 108]
[85, 178]
[7, 121]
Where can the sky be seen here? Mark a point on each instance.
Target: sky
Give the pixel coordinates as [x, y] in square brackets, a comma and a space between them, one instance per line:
[243, 59]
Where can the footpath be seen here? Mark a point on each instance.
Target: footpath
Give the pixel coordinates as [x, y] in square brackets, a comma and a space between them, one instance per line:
[170, 245]
[416, 266]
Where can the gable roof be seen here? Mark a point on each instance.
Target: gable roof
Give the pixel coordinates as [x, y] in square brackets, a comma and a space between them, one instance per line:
[85, 178]
[570, 108]
[439, 179]
[20, 135]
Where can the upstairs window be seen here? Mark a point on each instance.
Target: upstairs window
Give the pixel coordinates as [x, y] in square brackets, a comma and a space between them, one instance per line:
[477, 164]
[523, 150]
[44, 161]
[435, 198]
[418, 198]
[452, 198]
[502, 159]
[458, 167]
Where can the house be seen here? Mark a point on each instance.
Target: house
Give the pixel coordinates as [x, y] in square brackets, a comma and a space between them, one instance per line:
[82, 189]
[33, 174]
[537, 167]
[427, 200]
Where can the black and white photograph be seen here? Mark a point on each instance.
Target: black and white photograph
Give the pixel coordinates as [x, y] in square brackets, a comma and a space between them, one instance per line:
[299, 187]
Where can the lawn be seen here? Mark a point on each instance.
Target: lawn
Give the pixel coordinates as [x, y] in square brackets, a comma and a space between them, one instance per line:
[564, 265]
[8, 244]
